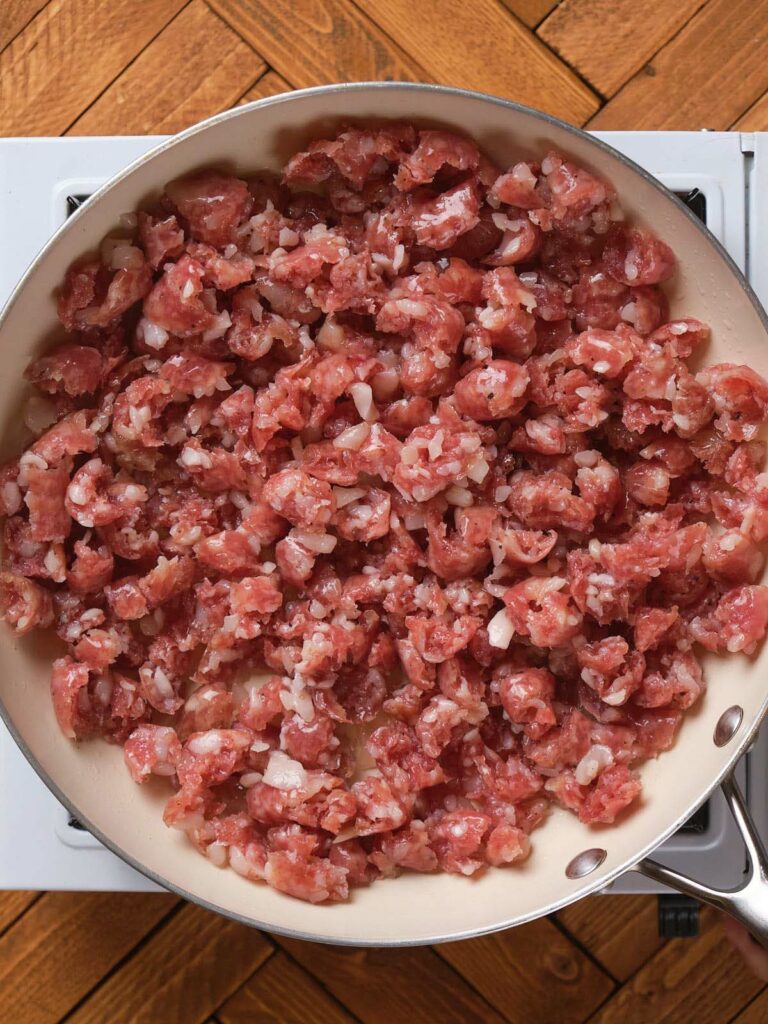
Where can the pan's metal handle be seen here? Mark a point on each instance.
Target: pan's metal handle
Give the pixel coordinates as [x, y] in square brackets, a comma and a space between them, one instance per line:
[747, 903]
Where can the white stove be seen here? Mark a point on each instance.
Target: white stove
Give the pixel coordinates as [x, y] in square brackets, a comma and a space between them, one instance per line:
[724, 178]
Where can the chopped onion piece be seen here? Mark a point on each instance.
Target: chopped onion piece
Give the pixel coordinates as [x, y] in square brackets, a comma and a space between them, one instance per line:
[362, 396]
[385, 384]
[594, 761]
[500, 630]
[346, 495]
[459, 496]
[478, 469]
[283, 772]
[322, 543]
[352, 438]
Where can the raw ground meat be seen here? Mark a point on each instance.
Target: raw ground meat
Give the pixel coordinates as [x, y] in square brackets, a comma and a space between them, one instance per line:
[401, 452]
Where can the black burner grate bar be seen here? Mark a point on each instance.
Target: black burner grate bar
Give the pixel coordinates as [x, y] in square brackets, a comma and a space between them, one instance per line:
[696, 202]
[75, 202]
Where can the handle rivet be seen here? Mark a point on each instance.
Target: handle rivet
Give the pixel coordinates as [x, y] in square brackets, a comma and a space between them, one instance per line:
[728, 724]
[586, 862]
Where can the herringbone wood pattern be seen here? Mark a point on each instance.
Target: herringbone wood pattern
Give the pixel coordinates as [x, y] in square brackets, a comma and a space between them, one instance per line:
[100, 67]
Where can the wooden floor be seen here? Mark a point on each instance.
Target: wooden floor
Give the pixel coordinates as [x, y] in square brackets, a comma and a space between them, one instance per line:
[100, 67]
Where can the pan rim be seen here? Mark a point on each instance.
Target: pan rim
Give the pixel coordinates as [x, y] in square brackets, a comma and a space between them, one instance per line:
[601, 879]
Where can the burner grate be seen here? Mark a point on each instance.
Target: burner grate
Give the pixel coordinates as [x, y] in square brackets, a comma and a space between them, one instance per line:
[75, 202]
[698, 822]
[696, 202]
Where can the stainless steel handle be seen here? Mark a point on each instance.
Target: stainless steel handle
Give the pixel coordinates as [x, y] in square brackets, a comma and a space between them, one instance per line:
[749, 902]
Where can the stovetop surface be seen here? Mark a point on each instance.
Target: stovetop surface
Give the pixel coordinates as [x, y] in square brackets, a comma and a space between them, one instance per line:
[43, 180]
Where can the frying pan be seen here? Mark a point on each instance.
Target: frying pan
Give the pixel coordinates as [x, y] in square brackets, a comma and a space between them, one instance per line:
[569, 859]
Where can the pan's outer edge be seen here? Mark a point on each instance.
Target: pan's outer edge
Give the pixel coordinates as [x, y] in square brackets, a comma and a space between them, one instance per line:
[746, 735]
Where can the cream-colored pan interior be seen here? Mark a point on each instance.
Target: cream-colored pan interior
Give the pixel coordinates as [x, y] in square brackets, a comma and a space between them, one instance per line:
[414, 908]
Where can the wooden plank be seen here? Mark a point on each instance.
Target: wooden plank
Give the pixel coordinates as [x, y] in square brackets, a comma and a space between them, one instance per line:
[532, 974]
[756, 118]
[382, 986]
[607, 41]
[311, 42]
[621, 932]
[703, 78]
[270, 84]
[479, 46]
[530, 12]
[756, 1012]
[12, 906]
[65, 943]
[185, 971]
[14, 15]
[196, 67]
[702, 980]
[280, 992]
[70, 52]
